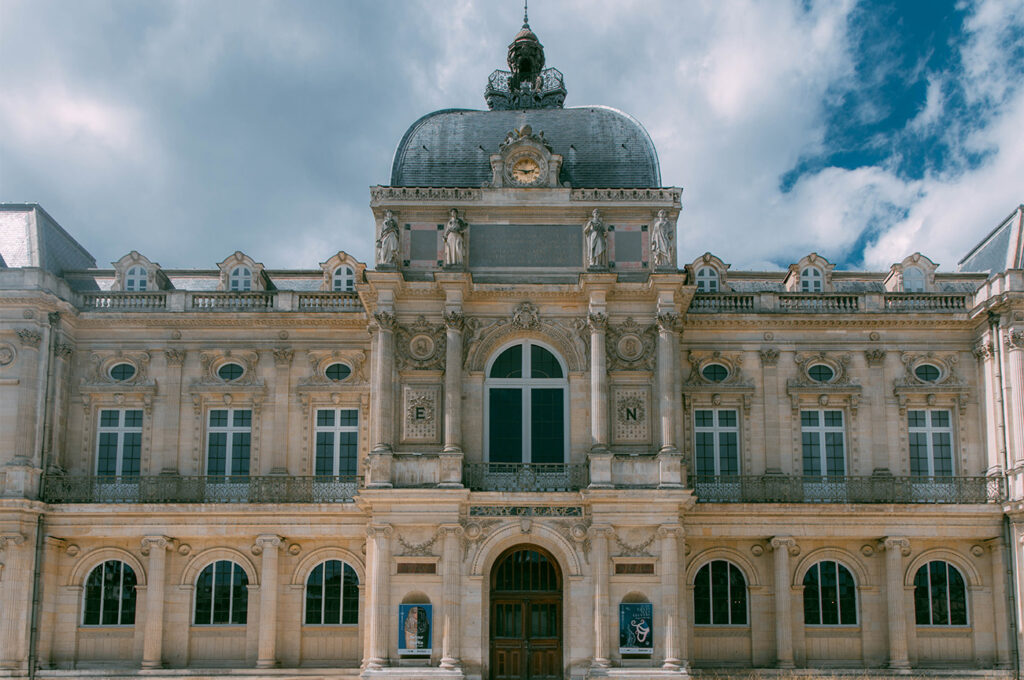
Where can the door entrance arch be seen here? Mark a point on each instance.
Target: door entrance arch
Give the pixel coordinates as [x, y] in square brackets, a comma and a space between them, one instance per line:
[526, 615]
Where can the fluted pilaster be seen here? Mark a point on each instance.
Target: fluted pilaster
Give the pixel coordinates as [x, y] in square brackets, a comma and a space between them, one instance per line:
[451, 576]
[153, 627]
[269, 546]
[896, 549]
[783, 547]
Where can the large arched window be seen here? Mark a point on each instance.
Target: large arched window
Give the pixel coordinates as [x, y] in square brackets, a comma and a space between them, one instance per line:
[830, 595]
[240, 279]
[332, 594]
[526, 406]
[109, 595]
[135, 278]
[811, 280]
[913, 280]
[222, 595]
[940, 596]
[720, 595]
[343, 279]
[707, 280]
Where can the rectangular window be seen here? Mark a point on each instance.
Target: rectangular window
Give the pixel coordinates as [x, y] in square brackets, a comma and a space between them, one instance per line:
[717, 441]
[228, 439]
[337, 441]
[119, 442]
[547, 429]
[931, 443]
[823, 437]
[506, 432]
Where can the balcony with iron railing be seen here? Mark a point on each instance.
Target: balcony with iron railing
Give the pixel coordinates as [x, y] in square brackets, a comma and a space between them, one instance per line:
[777, 488]
[828, 303]
[529, 477]
[219, 301]
[199, 489]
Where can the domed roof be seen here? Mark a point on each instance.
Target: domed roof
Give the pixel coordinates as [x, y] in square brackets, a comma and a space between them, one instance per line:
[601, 147]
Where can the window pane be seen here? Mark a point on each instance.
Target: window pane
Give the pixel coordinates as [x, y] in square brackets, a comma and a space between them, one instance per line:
[216, 454]
[922, 597]
[204, 596]
[942, 449]
[917, 419]
[727, 418]
[702, 596]
[812, 605]
[834, 453]
[940, 605]
[833, 418]
[829, 594]
[940, 418]
[222, 592]
[111, 592]
[847, 597]
[809, 418]
[240, 453]
[128, 596]
[737, 596]
[243, 418]
[720, 592]
[348, 452]
[218, 418]
[93, 597]
[704, 418]
[812, 454]
[728, 449]
[350, 597]
[106, 454]
[547, 426]
[918, 454]
[705, 444]
[332, 592]
[509, 363]
[131, 453]
[240, 595]
[110, 418]
[506, 426]
[314, 595]
[543, 363]
[325, 417]
[324, 453]
[133, 418]
[348, 417]
[957, 597]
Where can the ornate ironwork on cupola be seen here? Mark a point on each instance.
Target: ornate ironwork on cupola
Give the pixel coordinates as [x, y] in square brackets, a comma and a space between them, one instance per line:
[528, 85]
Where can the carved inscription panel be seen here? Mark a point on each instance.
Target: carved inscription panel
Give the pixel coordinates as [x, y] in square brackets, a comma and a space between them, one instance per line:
[632, 414]
[420, 413]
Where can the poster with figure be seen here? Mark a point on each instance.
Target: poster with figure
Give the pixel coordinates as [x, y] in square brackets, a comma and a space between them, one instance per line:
[414, 629]
[636, 628]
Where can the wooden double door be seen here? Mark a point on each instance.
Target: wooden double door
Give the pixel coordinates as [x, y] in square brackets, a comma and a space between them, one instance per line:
[526, 617]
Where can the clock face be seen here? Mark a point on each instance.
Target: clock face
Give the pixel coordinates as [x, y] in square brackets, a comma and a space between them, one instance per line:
[526, 171]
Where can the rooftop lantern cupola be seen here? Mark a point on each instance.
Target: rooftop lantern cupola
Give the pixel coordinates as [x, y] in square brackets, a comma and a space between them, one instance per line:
[528, 85]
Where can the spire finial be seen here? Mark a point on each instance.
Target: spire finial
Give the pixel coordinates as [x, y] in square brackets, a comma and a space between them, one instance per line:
[526, 14]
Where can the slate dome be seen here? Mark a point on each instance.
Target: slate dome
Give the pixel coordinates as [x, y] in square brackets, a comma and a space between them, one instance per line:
[601, 147]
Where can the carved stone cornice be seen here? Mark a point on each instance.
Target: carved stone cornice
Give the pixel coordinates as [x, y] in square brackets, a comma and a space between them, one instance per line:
[380, 194]
[29, 337]
[787, 543]
[626, 195]
[630, 346]
[420, 346]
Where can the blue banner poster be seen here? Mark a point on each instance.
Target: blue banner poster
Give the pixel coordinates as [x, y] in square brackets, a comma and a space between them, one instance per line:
[636, 628]
[414, 629]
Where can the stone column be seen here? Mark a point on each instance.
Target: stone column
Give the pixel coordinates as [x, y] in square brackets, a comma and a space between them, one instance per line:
[451, 576]
[453, 322]
[985, 352]
[669, 458]
[382, 407]
[379, 558]
[153, 627]
[16, 596]
[602, 628]
[598, 323]
[896, 549]
[1014, 378]
[269, 545]
[670, 595]
[1001, 602]
[784, 546]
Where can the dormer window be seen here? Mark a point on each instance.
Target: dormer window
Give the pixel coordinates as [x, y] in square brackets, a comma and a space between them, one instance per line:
[810, 280]
[240, 279]
[135, 279]
[913, 280]
[343, 280]
[707, 280]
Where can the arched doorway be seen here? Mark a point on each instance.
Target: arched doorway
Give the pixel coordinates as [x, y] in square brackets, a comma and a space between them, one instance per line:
[526, 615]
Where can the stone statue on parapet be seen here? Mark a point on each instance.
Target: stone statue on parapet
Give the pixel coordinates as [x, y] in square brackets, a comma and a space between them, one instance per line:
[387, 244]
[454, 240]
[596, 234]
[661, 240]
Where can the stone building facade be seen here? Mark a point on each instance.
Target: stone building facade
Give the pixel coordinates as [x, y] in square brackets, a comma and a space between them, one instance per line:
[526, 443]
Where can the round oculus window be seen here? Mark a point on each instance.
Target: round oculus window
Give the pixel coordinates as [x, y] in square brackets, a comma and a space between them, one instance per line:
[337, 372]
[927, 373]
[715, 373]
[821, 373]
[229, 372]
[121, 372]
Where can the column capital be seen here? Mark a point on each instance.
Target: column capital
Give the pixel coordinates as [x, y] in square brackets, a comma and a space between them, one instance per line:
[670, 530]
[16, 538]
[29, 337]
[597, 322]
[451, 529]
[158, 542]
[385, 321]
[787, 543]
[897, 543]
[379, 530]
[1014, 339]
[667, 322]
[993, 544]
[264, 541]
[598, 530]
[454, 320]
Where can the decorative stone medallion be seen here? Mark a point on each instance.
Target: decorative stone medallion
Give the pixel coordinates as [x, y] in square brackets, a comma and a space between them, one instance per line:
[421, 347]
[6, 354]
[630, 347]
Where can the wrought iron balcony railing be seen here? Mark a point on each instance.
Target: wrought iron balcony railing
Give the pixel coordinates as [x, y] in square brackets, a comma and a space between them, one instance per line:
[207, 489]
[846, 489]
[524, 476]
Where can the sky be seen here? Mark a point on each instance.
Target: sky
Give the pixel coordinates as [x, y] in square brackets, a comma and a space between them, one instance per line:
[863, 131]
